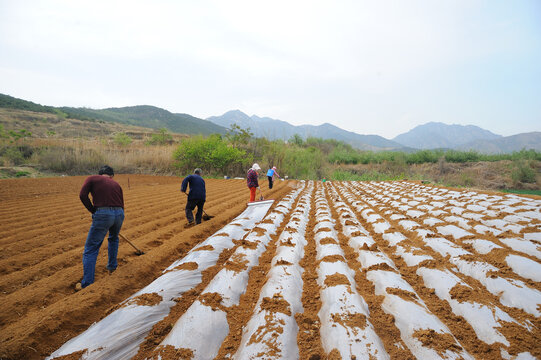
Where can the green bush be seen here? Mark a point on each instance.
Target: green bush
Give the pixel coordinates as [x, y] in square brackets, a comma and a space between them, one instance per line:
[342, 175]
[163, 137]
[424, 156]
[341, 155]
[462, 156]
[21, 173]
[12, 155]
[303, 163]
[122, 139]
[212, 154]
[523, 172]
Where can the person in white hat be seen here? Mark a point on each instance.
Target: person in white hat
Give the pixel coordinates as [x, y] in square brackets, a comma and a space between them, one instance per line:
[252, 180]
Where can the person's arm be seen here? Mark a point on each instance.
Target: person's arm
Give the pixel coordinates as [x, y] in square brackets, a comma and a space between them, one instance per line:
[276, 173]
[184, 185]
[83, 195]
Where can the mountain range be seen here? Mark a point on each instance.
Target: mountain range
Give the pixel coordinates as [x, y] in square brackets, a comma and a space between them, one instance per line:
[432, 135]
[277, 129]
[435, 135]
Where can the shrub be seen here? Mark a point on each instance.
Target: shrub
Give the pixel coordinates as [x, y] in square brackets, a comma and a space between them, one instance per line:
[13, 156]
[21, 173]
[424, 156]
[461, 156]
[344, 156]
[163, 137]
[212, 154]
[342, 175]
[122, 139]
[523, 172]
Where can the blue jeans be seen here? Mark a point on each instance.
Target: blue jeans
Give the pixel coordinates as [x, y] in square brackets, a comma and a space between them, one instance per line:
[104, 220]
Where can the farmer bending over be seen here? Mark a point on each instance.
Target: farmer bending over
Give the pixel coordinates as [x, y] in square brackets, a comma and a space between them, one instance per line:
[107, 208]
[196, 196]
[271, 174]
[253, 183]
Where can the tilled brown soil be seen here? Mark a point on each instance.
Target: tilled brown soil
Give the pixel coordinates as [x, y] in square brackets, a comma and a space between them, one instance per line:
[335, 279]
[43, 228]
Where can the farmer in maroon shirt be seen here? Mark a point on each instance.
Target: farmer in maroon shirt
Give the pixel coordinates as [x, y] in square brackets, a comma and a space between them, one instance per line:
[107, 208]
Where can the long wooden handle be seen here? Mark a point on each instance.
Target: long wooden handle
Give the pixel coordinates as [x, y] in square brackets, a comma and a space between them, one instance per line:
[129, 242]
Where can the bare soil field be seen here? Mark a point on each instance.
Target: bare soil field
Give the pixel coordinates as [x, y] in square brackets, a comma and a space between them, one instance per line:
[335, 270]
[43, 227]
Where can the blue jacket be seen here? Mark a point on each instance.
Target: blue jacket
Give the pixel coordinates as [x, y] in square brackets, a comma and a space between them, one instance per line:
[197, 187]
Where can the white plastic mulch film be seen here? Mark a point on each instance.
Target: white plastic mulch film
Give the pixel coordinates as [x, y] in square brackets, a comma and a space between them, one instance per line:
[207, 325]
[119, 335]
[344, 314]
[274, 333]
[396, 200]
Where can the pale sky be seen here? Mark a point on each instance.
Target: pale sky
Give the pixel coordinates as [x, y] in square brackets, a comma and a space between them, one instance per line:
[372, 67]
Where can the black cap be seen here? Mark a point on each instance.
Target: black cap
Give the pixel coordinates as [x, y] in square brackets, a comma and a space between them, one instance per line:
[106, 170]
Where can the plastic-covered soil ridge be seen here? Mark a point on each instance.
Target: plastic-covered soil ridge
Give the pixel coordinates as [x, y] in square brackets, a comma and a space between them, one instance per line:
[334, 270]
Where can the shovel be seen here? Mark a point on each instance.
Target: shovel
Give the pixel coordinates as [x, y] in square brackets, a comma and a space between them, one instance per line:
[260, 195]
[137, 252]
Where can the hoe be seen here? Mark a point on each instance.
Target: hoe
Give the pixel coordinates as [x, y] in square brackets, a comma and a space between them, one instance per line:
[137, 251]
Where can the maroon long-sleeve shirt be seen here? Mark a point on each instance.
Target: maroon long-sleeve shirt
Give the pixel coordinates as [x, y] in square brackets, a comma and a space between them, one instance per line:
[105, 192]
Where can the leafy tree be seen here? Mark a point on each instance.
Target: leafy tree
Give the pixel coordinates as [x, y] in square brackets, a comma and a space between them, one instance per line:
[297, 140]
[303, 163]
[163, 137]
[238, 136]
[211, 153]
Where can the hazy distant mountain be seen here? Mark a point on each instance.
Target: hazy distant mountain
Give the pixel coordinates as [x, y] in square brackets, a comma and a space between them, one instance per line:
[150, 116]
[278, 129]
[531, 140]
[428, 136]
[434, 135]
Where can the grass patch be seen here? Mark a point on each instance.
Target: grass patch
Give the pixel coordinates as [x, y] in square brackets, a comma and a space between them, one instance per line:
[341, 175]
[522, 191]
[21, 174]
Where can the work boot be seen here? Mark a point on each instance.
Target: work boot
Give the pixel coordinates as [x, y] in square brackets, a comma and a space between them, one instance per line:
[110, 270]
[189, 224]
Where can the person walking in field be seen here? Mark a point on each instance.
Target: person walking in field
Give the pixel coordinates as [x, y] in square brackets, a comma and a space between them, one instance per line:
[271, 173]
[107, 208]
[252, 180]
[196, 196]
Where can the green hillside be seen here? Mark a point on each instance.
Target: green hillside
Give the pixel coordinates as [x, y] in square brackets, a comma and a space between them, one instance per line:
[148, 116]
[10, 102]
[142, 115]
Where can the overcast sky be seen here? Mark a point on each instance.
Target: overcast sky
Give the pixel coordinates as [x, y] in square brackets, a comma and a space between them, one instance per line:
[373, 67]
